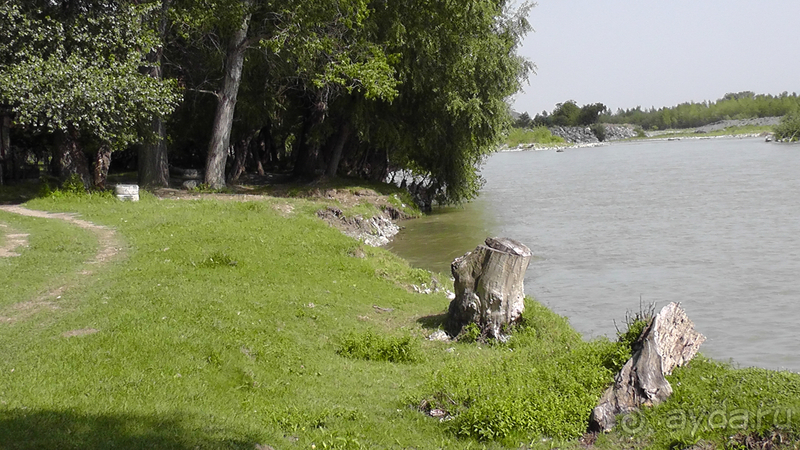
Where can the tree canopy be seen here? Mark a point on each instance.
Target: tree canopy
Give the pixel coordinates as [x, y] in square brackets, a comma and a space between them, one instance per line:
[363, 88]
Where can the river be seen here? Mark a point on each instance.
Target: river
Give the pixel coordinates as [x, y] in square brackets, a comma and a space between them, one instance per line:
[713, 224]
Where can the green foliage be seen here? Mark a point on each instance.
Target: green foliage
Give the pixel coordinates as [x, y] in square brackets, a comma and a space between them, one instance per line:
[456, 69]
[714, 402]
[72, 187]
[568, 114]
[376, 347]
[542, 383]
[742, 105]
[599, 130]
[635, 324]
[523, 121]
[470, 333]
[71, 68]
[537, 135]
[789, 128]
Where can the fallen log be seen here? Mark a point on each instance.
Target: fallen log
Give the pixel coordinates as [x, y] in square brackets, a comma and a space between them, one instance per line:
[668, 341]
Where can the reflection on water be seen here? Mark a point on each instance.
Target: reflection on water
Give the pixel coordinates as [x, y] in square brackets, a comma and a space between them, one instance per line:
[714, 224]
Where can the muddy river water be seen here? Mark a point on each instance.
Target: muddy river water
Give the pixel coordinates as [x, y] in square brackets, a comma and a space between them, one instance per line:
[713, 224]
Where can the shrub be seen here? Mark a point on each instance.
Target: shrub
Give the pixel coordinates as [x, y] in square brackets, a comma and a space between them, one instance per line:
[599, 130]
[789, 128]
[470, 333]
[635, 323]
[537, 135]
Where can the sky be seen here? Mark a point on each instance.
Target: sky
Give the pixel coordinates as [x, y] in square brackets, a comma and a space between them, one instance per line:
[628, 53]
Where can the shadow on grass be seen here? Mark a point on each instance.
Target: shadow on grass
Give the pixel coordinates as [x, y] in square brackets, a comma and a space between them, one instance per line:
[433, 322]
[24, 429]
[19, 192]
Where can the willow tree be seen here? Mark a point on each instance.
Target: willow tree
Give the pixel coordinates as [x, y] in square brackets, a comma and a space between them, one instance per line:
[73, 69]
[456, 64]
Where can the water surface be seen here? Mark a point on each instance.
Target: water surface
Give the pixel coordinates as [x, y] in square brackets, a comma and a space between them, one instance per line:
[714, 224]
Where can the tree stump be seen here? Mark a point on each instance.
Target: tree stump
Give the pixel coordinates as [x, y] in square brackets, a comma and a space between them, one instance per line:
[669, 341]
[489, 286]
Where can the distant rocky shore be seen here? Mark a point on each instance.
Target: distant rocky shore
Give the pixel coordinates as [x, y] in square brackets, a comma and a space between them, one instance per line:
[584, 137]
[581, 137]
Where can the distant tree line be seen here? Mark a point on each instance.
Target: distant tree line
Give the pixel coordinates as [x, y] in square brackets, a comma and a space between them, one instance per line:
[317, 88]
[567, 114]
[741, 105]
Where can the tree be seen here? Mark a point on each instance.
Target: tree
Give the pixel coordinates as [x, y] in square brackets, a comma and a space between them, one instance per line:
[566, 114]
[73, 69]
[523, 121]
[457, 64]
[589, 114]
[153, 166]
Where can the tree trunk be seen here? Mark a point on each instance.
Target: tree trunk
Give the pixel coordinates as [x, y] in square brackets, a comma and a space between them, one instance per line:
[153, 164]
[669, 341]
[489, 286]
[307, 159]
[102, 162]
[265, 149]
[336, 154]
[5, 143]
[71, 159]
[226, 104]
[241, 153]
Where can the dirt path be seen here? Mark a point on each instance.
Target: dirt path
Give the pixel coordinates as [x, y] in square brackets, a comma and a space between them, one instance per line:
[13, 240]
[108, 248]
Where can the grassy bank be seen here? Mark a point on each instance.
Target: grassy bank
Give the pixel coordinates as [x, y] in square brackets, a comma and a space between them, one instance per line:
[538, 135]
[237, 324]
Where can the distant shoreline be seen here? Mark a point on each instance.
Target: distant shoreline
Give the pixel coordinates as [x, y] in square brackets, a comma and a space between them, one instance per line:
[704, 132]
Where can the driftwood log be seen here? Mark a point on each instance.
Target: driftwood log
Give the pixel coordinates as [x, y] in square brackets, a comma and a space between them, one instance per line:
[669, 341]
[489, 286]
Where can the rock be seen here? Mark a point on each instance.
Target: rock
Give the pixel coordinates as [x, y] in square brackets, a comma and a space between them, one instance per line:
[489, 286]
[584, 135]
[374, 231]
[193, 174]
[669, 341]
[187, 174]
[439, 335]
[127, 192]
[189, 184]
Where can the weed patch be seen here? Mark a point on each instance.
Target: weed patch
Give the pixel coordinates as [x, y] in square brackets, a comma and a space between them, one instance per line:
[543, 383]
[537, 135]
[375, 347]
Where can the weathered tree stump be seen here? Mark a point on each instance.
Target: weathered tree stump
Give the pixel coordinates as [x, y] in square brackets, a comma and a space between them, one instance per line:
[669, 341]
[489, 286]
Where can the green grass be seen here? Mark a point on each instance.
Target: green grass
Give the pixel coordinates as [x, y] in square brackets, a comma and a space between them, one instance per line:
[230, 324]
[543, 382]
[715, 403]
[55, 251]
[538, 135]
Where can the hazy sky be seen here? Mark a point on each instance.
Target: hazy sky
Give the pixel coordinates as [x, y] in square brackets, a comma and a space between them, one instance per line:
[626, 53]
